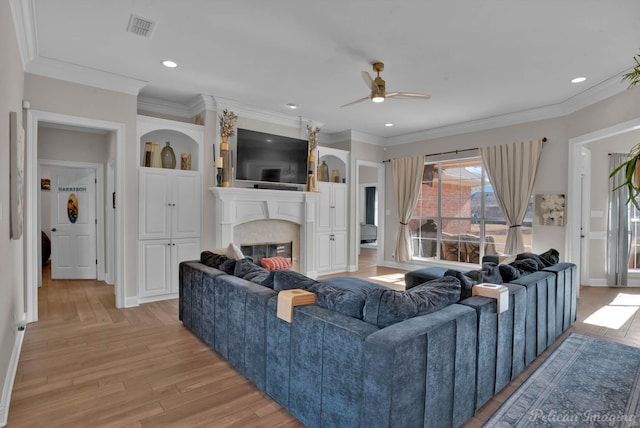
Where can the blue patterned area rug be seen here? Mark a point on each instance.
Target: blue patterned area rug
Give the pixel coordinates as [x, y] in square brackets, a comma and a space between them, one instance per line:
[585, 382]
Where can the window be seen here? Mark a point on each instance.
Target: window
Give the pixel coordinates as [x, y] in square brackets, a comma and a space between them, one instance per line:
[457, 217]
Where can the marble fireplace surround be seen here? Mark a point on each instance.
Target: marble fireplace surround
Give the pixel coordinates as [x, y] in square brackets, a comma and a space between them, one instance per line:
[238, 206]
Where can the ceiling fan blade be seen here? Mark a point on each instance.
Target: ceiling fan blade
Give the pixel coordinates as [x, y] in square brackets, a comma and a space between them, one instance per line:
[407, 95]
[355, 102]
[368, 80]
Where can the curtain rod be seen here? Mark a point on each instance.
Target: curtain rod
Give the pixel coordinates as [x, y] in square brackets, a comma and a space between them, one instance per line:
[544, 140]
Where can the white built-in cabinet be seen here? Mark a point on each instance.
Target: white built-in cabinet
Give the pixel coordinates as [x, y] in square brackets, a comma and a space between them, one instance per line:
[332, 229]
[169, 209]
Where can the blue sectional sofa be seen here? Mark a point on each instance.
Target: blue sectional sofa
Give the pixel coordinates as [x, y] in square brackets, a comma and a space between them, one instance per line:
[364, 355]
[542, 305]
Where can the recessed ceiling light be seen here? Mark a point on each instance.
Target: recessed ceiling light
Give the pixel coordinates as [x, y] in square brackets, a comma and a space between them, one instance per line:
[578, 80]
[169, 64]
[292, 106]
[388, 124]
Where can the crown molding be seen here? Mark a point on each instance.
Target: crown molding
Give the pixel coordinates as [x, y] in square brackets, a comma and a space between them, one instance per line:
[74, 73]
[24, 20]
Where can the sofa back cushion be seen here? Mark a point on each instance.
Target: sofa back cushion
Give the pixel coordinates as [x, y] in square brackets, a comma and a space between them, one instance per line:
[384, 307]
[346, 296]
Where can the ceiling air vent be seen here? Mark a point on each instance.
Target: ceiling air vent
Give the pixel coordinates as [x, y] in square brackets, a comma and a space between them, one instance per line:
[140, 26]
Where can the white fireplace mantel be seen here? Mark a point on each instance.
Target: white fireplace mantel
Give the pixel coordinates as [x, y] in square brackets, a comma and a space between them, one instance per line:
[234, 206]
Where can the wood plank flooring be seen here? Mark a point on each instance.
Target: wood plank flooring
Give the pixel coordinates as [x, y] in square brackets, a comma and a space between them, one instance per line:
[86, 363]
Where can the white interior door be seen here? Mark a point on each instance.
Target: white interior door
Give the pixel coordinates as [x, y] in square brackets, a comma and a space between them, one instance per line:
[73, 223]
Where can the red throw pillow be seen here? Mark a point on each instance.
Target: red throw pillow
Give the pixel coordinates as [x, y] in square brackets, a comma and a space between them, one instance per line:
[271, 263]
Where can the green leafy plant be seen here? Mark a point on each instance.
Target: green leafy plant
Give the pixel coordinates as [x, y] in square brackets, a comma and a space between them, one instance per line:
[634, 75]
[631, 179]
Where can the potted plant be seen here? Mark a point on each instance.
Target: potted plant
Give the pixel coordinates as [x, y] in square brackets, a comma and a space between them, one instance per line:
[632, 166]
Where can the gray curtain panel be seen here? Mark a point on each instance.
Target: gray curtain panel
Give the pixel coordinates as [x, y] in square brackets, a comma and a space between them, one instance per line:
[618, 225]
[407, 179]
[511, 169]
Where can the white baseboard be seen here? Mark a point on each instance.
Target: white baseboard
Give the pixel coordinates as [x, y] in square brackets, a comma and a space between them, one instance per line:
[7, 387]
[131, 302]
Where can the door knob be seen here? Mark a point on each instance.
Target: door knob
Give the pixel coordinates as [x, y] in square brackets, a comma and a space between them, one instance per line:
[53, 230]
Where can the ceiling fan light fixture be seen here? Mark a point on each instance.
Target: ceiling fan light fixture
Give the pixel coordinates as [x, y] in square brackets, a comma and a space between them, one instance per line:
[377, 98]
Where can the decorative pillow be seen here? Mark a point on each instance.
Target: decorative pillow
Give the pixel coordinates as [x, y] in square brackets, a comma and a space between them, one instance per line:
[228, 266]
[271, 263]
[385, 307]
[212, 259]
[466, 283]
[250, 271]
[509, 273]
[489, 273]
[234, 252]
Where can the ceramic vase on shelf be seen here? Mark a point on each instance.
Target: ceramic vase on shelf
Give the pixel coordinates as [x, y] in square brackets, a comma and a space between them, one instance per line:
[168, 157]
[323, 171]
[226, 165]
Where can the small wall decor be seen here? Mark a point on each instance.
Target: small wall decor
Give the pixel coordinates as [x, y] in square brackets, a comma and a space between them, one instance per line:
[227, 129]
[549, 209]
[45, 183]
[72, 208]
[16, 174]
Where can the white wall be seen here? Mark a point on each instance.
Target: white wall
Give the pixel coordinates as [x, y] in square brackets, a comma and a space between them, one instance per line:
[12, 305]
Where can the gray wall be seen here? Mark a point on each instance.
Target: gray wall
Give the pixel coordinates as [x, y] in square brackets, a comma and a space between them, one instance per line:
[12, 305]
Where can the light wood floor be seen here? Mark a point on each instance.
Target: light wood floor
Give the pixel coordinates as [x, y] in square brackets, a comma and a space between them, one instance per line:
[85, 363]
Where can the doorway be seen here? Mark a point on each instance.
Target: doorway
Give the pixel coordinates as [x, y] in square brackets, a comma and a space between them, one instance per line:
[369, 213]
[580, 237]
[77, 244]
[116, 137]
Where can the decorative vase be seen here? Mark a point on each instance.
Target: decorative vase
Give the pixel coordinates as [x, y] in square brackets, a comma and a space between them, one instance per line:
[323, 171]
[168, 157]
[226, 165]
[185, 161]
[311, 185]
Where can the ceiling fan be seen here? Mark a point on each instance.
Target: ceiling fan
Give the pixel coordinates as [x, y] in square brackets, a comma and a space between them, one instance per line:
[378, 88]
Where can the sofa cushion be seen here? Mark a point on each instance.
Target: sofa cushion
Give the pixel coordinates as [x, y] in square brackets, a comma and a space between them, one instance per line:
[526, 266]
[289, 279]
[271, 263]
[466, 283]
[340, 295]
[228, 266]
[384, 307]
[250, 271]
[489, 273]
[211, 259]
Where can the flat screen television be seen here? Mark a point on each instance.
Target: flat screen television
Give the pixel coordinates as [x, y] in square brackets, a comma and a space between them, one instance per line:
[263, 157]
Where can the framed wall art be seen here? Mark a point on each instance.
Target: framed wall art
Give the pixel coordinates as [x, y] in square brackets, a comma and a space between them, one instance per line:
[16, 175]
[549, 209]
